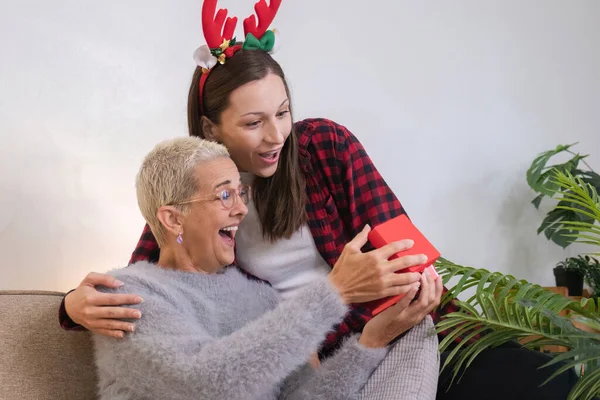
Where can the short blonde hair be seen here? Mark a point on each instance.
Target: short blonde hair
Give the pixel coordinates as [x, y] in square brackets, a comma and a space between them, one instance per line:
[167, 176]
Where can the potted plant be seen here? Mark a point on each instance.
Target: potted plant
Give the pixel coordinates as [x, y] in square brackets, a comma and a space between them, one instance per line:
[570, 273]
[555, 226]
[504, 308]
[540, 178]
[575, 270]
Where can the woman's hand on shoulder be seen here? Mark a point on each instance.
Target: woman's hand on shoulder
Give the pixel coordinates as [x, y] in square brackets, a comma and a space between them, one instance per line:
[101, 312]
[362, 277]
[405, 314]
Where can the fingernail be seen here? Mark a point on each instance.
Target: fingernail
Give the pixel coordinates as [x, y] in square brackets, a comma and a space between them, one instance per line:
[433, 272]
[132, 328]
[426, 272]
[140, 300]
[120, 335]
[118, 283]
[137, 314]
[410, 242]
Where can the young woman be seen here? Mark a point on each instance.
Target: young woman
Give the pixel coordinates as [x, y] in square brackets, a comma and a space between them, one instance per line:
[314, 190]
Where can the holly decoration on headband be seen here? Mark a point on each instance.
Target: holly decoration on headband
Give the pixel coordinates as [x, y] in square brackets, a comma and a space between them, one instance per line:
[218, 32]
[265, 43]
[221, 52]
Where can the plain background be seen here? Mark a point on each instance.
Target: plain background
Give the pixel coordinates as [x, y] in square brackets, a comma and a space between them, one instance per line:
[452, 100]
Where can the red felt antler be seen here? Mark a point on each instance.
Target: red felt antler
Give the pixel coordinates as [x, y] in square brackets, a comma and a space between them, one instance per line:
[265, 13]
[212, 25]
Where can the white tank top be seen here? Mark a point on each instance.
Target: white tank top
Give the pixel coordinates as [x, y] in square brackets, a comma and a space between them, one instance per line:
[287, 264]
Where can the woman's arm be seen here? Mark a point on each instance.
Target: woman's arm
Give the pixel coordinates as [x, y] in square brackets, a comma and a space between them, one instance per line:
[80, 310]
[362, 197]
[345, 373]
[338, 377]
[173, 355]
[86, 308]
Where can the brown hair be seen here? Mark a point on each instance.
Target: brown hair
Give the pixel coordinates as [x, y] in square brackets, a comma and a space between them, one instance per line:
[280, 200]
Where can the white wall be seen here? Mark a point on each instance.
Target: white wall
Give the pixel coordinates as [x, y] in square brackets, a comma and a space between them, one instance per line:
[451, 99]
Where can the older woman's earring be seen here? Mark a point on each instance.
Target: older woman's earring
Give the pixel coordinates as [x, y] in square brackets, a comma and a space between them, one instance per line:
[180, 239]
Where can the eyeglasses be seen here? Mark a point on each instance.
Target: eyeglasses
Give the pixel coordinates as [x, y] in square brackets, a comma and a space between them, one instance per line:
[227, 196]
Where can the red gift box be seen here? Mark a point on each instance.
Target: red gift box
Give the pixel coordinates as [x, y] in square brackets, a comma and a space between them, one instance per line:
[393, 230]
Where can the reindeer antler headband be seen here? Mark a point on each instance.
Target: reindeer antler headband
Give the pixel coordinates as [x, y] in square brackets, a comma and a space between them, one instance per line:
[220, 43]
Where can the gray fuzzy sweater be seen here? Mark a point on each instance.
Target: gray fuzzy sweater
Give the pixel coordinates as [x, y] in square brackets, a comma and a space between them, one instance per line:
[223, 336]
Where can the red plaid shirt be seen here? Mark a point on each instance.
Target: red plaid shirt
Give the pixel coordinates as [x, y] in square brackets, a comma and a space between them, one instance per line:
[344, 192]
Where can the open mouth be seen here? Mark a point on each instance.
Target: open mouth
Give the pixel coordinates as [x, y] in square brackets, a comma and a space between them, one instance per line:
[228, 232]
[270, 156]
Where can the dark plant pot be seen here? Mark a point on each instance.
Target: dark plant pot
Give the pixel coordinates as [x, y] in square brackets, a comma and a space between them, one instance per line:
[573, 280]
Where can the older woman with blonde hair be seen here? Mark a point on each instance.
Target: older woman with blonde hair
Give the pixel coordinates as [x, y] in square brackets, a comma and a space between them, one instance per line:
[207, 331]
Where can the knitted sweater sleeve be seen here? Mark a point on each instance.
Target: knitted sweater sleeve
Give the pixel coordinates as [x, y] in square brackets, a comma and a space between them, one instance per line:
[339, 377]
[172, 354]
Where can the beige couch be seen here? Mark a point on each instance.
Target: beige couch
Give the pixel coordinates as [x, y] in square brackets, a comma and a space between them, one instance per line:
[38, 360]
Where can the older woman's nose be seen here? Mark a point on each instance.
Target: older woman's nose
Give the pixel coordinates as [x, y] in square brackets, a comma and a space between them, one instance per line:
[239, 209]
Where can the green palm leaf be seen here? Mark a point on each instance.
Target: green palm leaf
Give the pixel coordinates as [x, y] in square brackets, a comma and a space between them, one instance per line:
[587, 388]
[585, 196]
[541, 177]
[505, 308]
